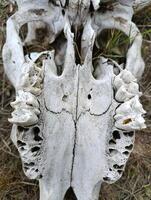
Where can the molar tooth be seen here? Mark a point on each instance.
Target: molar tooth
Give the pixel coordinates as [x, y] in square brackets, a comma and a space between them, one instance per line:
[127, 76]
[118, 82]
[134, 88]
[131, 122]
[122, 94]
[23, 117]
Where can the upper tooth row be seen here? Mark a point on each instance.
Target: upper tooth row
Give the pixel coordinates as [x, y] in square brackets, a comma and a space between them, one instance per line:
[129, 115]
[126, 85]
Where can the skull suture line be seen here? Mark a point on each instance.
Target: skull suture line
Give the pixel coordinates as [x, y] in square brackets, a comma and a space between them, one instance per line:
[73, 124]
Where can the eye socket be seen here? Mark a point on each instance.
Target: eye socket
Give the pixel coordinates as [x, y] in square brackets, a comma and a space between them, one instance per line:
[35, 36]
[111, 43]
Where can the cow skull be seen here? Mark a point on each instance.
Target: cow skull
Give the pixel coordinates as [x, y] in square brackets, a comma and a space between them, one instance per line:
[73, 123]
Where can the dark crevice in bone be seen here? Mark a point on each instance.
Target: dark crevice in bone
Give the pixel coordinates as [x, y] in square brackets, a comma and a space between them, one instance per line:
[120, 171]
[106, 178]
[116, 135]
[113, 152]
[20, 143]
[60, 45]
[130, 147]
[70, 195]
[112, 142]
[75, 136]
[37, 11]
[91, 8]
[23, 32]
[53, 2]
[116, 166]
[129, 134]
[78, 31]
[126, 153]
[106, 6]
[31, 164]
[21, 129]
[36, 132]
[34, 149]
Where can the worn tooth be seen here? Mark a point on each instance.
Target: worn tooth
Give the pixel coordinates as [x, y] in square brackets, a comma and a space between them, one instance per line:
[131, 106]
[25, 98]
[122, 94]
[124, 79]
[23, 117]
[134, 88]
[118, 82]
[126, 92]
[129, 115]
[137, 106]
[131, 123]
[127, 76]
[124, 108]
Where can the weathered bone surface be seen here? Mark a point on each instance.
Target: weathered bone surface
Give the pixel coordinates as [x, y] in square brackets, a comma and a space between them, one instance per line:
[73, 121]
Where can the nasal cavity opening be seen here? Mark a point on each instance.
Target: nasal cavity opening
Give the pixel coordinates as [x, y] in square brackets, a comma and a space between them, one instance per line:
[70, 195]
[112, 44]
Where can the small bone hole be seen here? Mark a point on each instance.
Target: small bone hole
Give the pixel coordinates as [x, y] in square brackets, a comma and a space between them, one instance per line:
[120, 171]
[35, 149]
[64, 98]
[36, 132]
[63, 12]
[29, 164]
[112, 141]
[130, 147]
[118, 166]
[21, 129]
[89, 96]
[126, 153]
[113, 152]
[106, 179]
[22, 149]
[116, 135]
[20, 143]
[130, 134]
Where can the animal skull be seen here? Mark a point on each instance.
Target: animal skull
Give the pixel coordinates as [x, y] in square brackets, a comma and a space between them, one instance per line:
[73, 123]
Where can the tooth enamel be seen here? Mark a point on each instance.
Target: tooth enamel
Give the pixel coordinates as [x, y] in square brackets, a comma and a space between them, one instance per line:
[23, 117]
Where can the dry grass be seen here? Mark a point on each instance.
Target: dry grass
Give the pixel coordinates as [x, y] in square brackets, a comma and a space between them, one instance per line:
[136, 182]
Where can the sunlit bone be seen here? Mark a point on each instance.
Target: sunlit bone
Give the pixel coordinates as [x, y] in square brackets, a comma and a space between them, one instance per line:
[73, 124]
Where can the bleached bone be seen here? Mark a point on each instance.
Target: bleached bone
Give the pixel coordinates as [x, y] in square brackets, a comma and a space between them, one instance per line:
[126, 85]
[73, 119]
[129, 115]
[26, 109]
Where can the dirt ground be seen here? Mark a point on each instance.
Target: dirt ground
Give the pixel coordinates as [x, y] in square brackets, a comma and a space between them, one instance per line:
[136, 181]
